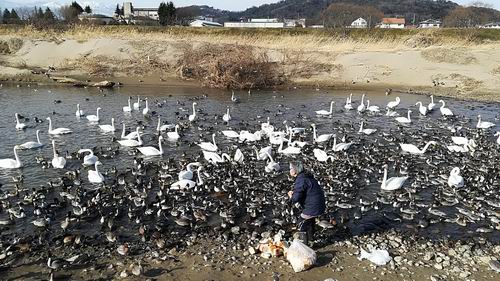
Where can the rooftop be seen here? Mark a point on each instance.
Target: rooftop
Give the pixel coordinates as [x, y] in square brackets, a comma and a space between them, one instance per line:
[393, 21]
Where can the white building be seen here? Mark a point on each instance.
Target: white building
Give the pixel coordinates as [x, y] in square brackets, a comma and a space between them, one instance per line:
[256, 23]
[204, 23]
[493, 25]
[129, 12]
[291, 23]
[430, 24]
[359, 23]
[392, 23]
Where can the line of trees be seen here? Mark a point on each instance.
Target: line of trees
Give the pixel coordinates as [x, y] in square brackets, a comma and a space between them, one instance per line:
[343, 14]
[166, 13]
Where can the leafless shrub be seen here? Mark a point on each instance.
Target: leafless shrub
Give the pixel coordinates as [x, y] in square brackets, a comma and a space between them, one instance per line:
[230, 66]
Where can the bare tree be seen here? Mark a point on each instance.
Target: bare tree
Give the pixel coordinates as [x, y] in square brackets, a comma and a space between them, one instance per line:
[481, 4]
[343, 14]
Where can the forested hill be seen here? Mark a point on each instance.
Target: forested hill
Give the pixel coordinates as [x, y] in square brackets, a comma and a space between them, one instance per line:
[311, 9]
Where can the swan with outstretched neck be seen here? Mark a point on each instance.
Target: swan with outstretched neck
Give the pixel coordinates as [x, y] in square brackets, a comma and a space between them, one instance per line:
[131, 142]
[431, 105]
[58, 162]
[404, 120]
[32, 144]
[192, 117]
[79, 112]
[366, 131]
[413, 149]
[320, 138]
[152, 151]
[324, 112]
[421, 108]
[108, 128]
[19, 125]
[94, 118]
[11, 163]
[362, 107]
[226, 117]
[445, 111]
[209, 146]
[57, 131]
[137, 105]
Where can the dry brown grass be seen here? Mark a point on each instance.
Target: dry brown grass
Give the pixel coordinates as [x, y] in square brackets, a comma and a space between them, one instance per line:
[230, 67]
[447, 55]
[10, 45]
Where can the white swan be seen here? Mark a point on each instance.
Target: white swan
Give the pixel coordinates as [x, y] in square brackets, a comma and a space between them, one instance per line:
[32, 144]
[187, 184]
[361, 108]
[95, 176]
[174, 135]
[209, 146]
[79, 112]
[289, 150]
[234, 98]
[340, 146]
[393, 183]
[58, 162]
[163, 128]
[192, 117]
[445, 111]
[348, 103]
[19, 125]
[393, 104]
[324, 112]
[11, 163]
[151, 150]
[431, 105]
[421, 108]
[231, 134]
[57, 131]
[277, 137]
[413, 149]
[108, 128]
[455, 179]
[145, 111]
[128, 108]
[498, 140]
[226, 117]
[188, 173]
[460, 140]
[404, 120]
[215, 158]
[266, 127]
[271, 166]
[321, 155]
[366, 131]
[294, 130]
[130, 136]
[391, 113]
[90, 159]
[263, 153]
[137, 105]
[372, 108]
[320, 138]
[483, 125]
[94, 118]
[239, 157]
[295, 143]
[131, 142]
[463, 148]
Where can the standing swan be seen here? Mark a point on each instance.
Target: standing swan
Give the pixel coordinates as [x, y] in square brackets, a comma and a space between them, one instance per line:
[96, 176]
[19, 125]
[79, 113]
[393, 104]
[393, 183]
[208, 146]
[324, 112]
[422, 109]
[32, 144]
[94, 118]
[58, 162]
[57, 131]
[192, 117]
[11, 163]
[404, 120]
[445, 111]
[152, 151]
[483, 125]
[413, 149]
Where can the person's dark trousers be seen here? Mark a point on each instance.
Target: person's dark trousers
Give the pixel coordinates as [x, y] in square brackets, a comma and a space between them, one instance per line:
[307, 226]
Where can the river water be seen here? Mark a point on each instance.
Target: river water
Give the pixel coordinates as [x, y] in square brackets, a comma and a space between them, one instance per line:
[297, 105]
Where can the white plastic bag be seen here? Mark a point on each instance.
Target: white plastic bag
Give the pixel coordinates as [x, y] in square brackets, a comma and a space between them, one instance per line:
[300, 256]
[378, 257]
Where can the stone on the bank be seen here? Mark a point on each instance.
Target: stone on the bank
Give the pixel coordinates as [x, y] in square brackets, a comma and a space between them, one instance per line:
[428, 256]
[438, 266]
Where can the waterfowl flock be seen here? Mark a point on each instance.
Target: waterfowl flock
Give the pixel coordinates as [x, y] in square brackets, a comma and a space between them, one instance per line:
[209, 172]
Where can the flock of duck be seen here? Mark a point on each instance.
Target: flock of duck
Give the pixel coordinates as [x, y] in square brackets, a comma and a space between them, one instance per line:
[235, 185]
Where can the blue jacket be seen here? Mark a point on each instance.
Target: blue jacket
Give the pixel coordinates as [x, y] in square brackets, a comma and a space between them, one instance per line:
[309, 195]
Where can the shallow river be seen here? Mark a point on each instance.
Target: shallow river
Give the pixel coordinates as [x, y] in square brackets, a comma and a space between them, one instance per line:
[294, 105]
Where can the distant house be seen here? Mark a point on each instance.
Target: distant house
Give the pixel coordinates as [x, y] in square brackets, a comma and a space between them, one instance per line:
[295, 23]
[493, 25]
[205, 23]
[430, 24]
[132, 12]
[95, 18]
[359, 23]
[392, 23]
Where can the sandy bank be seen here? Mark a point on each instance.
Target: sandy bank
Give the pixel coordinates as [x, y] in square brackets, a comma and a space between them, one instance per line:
[464, 71]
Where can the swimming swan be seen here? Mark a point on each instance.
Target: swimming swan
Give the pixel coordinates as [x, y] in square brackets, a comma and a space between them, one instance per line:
[413, 149]
[32, 144]
[95, 176]
[11, 163]
[57, 131]
[152, 151]
[58, 162]
[393, 183]
[324, 112]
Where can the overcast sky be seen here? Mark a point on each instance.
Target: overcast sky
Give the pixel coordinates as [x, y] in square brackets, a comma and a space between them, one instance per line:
[234, 5]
